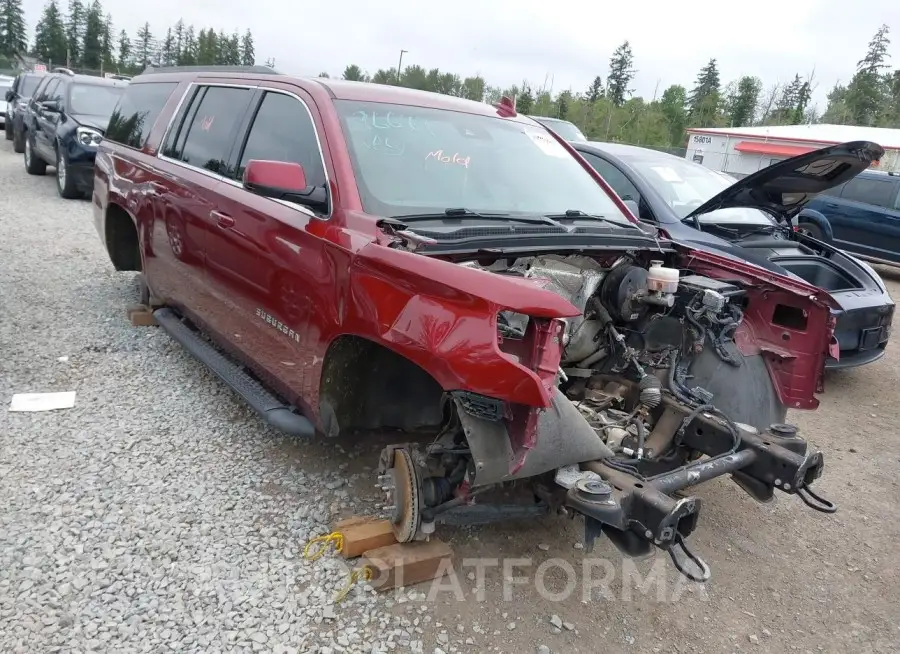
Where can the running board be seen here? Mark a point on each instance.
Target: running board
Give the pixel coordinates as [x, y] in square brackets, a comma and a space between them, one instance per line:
[260, 400]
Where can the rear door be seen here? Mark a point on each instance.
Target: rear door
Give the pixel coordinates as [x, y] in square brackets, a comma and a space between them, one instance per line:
[274, 248]
[865, 218]
[188, 188]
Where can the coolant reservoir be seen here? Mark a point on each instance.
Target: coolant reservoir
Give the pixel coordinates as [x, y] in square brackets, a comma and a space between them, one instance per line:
[662, 279]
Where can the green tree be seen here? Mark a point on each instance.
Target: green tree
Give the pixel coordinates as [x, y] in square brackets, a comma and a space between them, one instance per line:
[621, 73]
[74, 31]
[741, 105]
[50, 35]
[106, 43]
[705, 98]
[563, 102]
[324, 74]
[868, 91]
[353, 73]
[672, 107]
[525, 101]
[144, 47]
[473, 88]
[188, 54]
[248, 54]
[167, 49]
[595, 90]
[92, 45]
[13, 37]
[124, 60]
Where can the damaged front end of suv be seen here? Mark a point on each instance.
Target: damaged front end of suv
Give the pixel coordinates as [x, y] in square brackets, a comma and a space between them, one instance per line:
[612, 382]
[567, 351]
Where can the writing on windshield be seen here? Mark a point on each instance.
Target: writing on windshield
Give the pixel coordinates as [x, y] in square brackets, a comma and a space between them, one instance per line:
[411, 159]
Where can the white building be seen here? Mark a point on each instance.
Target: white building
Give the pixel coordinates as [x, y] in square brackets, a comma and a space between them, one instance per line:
[744, 150]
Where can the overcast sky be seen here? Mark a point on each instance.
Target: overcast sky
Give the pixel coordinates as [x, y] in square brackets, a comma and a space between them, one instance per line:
[507, 41]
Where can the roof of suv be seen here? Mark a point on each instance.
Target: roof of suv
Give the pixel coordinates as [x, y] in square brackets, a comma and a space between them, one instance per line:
[337, 89]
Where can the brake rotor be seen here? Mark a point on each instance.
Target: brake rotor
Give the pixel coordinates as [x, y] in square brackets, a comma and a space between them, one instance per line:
[404, 496]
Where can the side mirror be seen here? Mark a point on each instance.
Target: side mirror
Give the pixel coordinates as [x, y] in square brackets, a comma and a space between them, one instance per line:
[10, 96]
[633, 208]
[283, 180]
[50, 105]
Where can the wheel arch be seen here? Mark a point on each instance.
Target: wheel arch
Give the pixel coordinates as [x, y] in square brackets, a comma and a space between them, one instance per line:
[121, 237]
[818, 219]
[365, 385]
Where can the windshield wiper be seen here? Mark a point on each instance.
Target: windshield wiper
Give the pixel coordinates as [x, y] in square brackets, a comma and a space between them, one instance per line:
[458, 213]
[578, 213]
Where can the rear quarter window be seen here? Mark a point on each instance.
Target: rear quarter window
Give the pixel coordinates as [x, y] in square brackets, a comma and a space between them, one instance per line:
[137, 111]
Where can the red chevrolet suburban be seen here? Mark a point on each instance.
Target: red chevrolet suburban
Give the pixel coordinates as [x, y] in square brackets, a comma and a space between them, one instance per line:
[351, 257]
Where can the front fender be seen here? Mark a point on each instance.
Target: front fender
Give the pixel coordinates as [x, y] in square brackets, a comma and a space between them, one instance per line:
[443, 317]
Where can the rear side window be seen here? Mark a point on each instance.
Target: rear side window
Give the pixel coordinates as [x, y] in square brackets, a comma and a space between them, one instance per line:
[205, 136]
[27, 85]
[137, 111]
[614, 177]
[879, 192]
[282, 130]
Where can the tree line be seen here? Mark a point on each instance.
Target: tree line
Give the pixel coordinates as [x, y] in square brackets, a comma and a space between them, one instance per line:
[84, 38]
[608, 109]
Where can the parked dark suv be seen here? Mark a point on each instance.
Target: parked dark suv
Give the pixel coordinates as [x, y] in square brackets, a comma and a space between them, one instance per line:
[23, 87]
[864, 214]
[64, 124]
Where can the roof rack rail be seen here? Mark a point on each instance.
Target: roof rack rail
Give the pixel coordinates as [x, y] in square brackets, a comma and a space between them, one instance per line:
[158, 70]
[62, 69]
[117, 76]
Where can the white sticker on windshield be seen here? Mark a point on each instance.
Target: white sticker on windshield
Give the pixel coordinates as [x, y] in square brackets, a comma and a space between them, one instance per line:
[667, 174]
[547, 144]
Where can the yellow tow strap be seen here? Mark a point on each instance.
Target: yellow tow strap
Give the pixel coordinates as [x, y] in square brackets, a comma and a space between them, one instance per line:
[311, 553]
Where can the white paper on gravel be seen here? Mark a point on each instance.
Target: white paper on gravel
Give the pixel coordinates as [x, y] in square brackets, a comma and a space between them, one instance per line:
[42, 401]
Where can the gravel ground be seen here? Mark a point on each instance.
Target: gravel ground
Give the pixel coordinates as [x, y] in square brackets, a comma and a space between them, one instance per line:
[159, 514]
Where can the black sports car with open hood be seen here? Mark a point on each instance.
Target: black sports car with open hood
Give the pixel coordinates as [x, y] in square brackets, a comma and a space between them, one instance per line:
[752, 219]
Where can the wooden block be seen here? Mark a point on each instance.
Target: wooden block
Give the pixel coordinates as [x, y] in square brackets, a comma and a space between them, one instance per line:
[362, 534]
[142, 319]
[132, 308]
[405, 564]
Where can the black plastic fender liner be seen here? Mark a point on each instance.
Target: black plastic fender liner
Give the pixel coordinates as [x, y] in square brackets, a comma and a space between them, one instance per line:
[745, 393]
[272, 410]
[564, 437]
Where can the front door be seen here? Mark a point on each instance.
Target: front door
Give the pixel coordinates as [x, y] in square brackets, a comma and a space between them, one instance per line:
[268, 269]
[46, 122]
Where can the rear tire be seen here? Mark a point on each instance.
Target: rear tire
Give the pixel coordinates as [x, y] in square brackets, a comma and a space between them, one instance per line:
[34, 165]
[7, 128]
[19, 141]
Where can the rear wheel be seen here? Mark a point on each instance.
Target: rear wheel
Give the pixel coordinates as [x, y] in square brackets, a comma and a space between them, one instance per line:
[7, 128]
[19, 141]
[34, 165]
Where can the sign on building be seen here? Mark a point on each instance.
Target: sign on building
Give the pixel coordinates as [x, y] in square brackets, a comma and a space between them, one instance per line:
[40, 68]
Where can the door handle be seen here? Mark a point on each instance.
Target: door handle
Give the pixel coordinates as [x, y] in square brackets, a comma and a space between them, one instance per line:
[222, 220]
[831, 205]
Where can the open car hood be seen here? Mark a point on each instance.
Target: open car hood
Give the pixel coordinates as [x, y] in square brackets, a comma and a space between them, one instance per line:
[784, 188]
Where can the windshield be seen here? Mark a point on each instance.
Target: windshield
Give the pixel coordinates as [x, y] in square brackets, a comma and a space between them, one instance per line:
[28, 84]
[94, 99]
[565, 129]
[686, 185]
[413, 160]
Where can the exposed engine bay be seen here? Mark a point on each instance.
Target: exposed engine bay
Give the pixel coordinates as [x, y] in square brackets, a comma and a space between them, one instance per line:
[638, 415]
